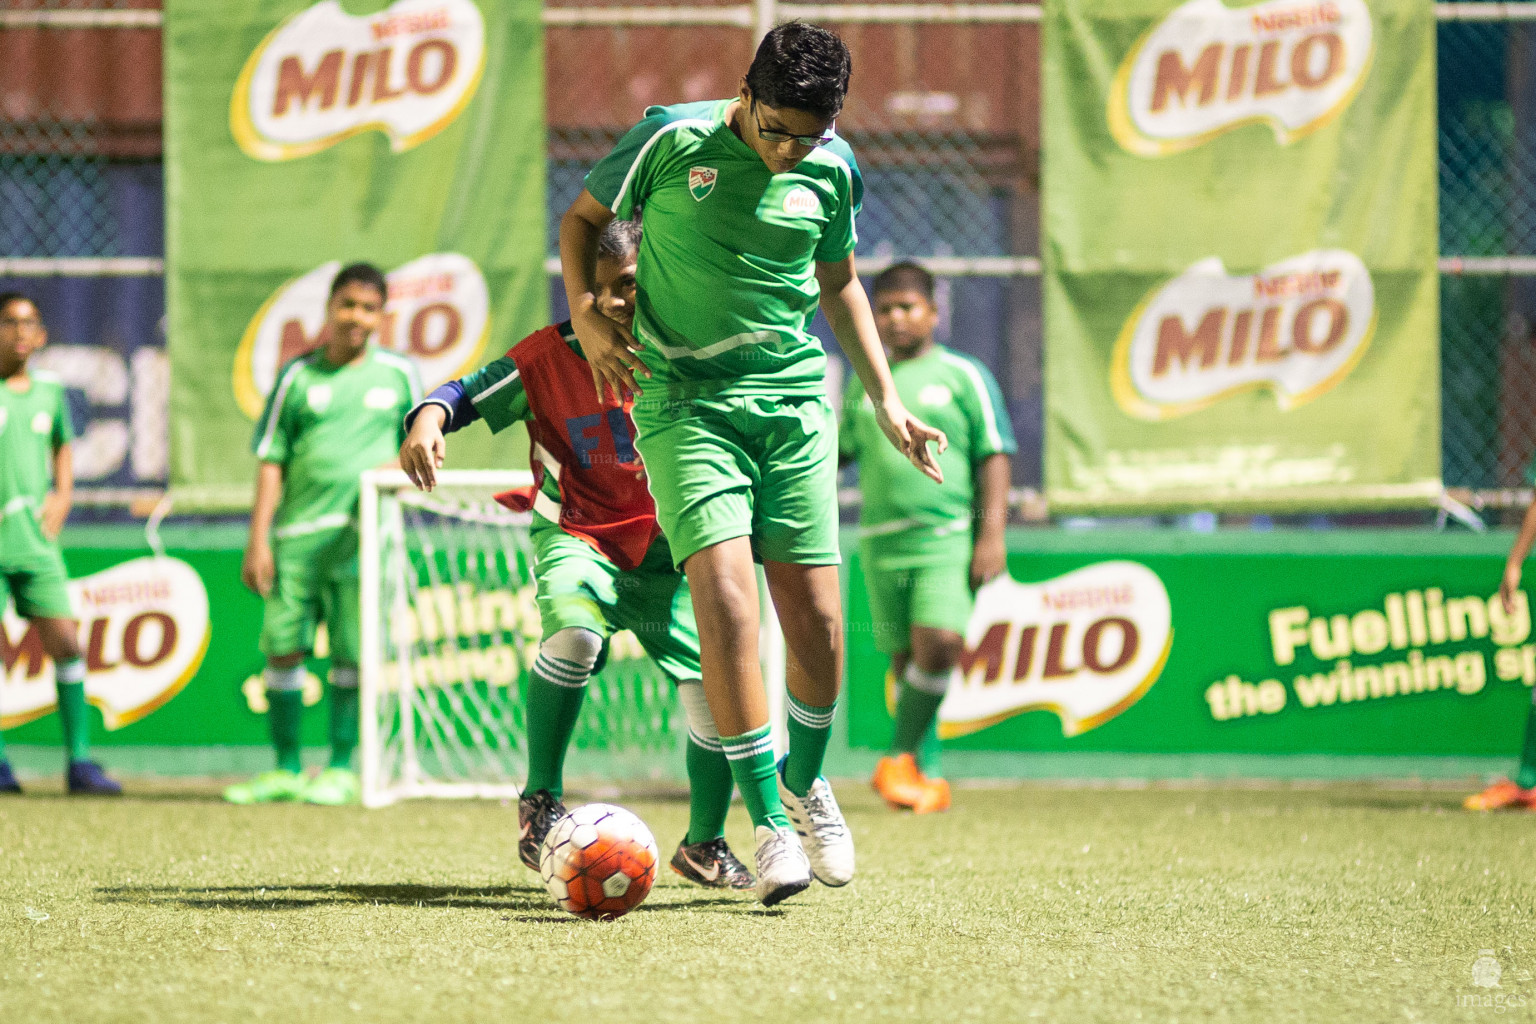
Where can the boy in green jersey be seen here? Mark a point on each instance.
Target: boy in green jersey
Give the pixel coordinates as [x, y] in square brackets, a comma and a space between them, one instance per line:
[332, 414]
[36, 483]
[926, 547]
[601, 564]
[749, 207]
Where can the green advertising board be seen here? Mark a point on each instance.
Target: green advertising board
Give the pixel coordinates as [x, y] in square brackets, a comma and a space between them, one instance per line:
[1240, 241]
[301, 136]
[1340, 645]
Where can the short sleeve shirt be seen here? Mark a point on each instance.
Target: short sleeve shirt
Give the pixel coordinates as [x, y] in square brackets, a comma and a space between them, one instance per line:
[33, 424]
[726, 281]
[325, 425]
[904, 515]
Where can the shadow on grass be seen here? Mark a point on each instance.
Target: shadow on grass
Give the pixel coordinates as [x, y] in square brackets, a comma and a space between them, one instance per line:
[525, 898]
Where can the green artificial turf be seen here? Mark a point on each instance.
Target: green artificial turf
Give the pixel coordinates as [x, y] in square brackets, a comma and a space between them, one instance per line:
[1340, 903]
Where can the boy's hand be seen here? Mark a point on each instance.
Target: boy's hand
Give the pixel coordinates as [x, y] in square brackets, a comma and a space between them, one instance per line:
[989, 560]
[611, 353]
[1509, 586]
[54, 511]
[422, 454]
[257, 569]
[911, 435]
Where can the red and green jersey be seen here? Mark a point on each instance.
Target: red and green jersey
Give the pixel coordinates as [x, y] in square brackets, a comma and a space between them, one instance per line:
[588, 477]
[324, 425]
[33, 424]
[905, 518]
[726, 282]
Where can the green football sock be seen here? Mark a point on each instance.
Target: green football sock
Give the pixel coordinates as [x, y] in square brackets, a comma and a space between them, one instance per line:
[344, 723]
[810, 728]
[74, 713]
[1527, 777]
[917, 708]
[556, 688]
[751, 759]
[709, 789]
[285, 713]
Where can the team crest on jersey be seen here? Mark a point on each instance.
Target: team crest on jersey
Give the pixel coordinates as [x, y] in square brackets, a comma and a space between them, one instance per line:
[42, 423]
[934, 394]
[701, 181]
[380, 398]
[5, 414]
[319, 397]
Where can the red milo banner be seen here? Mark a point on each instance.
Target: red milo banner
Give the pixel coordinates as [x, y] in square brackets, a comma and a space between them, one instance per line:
[1241, 295]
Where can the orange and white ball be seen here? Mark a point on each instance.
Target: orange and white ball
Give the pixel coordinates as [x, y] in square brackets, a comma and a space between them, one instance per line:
[599, 862]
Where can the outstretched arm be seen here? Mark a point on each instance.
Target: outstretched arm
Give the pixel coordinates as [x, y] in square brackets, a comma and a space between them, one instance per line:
[847, 309]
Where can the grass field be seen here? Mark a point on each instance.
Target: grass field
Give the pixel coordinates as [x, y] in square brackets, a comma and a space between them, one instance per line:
[1340, 903]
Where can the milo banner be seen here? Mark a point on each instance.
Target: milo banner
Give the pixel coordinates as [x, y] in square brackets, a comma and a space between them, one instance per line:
[302, 136]
[1137, 642]
[1241, 296]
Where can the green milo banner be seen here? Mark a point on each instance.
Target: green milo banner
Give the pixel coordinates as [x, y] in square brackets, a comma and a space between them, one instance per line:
[1369, 643]
[1241, 296]
[302, 136]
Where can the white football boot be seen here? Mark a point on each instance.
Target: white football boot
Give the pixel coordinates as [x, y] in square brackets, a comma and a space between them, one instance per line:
[782, 868]
[821, 827]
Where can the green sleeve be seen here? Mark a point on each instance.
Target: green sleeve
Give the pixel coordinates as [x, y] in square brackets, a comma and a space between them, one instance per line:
[271, 439]
[847, 437]
[63, 421]
[841, 236]
[619, 181]
[991, 431]
[497, 393]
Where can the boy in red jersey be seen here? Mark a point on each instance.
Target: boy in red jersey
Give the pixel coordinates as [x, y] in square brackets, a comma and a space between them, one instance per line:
[602, 563]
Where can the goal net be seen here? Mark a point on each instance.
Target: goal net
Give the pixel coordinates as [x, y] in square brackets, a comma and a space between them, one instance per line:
[450, 628]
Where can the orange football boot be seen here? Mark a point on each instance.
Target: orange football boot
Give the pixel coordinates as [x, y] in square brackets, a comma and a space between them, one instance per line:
[935, 797]
[1502, 795]
[898, 781]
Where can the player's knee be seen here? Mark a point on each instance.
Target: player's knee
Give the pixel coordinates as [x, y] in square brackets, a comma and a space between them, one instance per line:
[937, 651]
[701, 721]
[570, 653]
[62, 644]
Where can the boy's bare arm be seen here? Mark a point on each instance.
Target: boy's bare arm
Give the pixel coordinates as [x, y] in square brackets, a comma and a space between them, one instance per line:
[847, 309]
[989, 556]
[58, 501]
[609, 347]
[257, 569]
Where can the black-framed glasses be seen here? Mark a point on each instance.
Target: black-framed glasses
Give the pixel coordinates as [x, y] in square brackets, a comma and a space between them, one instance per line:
[808, 141]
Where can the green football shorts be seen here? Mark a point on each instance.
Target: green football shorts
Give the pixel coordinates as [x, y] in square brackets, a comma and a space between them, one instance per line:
[39, 584]
[758, 466]
[580, 588]
[317, 581]
[938, 596]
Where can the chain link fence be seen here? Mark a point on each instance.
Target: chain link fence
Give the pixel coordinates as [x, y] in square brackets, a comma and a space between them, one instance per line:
[945, 118]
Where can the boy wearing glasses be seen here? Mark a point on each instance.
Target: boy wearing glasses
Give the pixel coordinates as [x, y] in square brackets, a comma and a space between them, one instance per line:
[36, 483]
[749, 207]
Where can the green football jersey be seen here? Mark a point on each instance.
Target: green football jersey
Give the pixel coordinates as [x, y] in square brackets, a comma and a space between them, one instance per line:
[33, 423]
[726, 282]
[907, 519]
[324, 425]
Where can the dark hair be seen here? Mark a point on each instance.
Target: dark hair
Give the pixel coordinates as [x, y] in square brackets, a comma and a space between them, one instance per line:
[360, 273]
[6, 298]
[904, 277]
[802, 67]
[620, 240]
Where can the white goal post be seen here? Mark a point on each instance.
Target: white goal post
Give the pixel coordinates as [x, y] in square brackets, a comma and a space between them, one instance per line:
[449, 630]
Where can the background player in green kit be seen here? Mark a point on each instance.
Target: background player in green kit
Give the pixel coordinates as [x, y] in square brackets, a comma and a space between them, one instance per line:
[601, 564]
[749, 207]
[926, 547]
[36, 482]
[332, 414]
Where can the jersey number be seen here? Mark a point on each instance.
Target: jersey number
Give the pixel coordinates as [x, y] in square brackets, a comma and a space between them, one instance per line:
[584, 444]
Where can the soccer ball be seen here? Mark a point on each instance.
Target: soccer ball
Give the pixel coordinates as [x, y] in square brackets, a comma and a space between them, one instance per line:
[598, 862]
